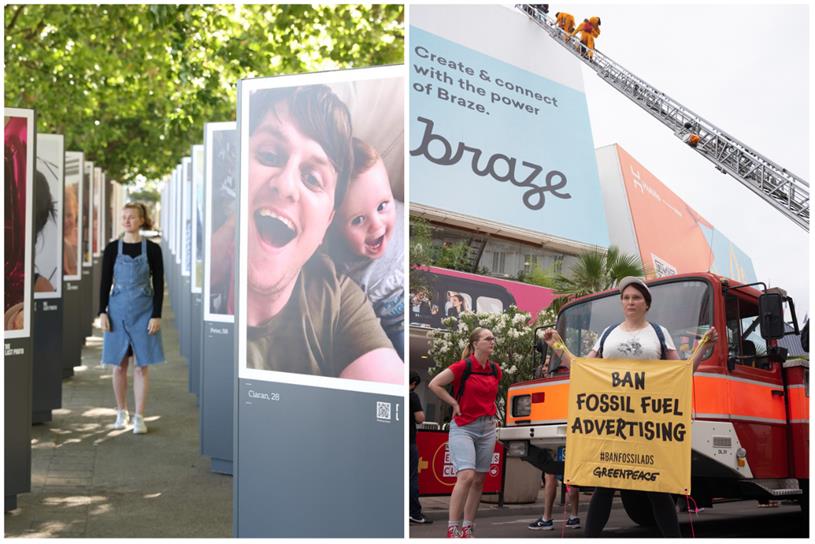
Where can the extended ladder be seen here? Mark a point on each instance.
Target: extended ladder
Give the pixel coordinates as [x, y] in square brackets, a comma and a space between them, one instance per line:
[782, 189]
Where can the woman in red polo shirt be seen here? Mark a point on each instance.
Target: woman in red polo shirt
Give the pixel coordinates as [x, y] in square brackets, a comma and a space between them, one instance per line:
[472, 431]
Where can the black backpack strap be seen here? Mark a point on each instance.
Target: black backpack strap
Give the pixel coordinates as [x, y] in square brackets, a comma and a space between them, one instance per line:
[663, 347]
[603, 338]
[468, 369]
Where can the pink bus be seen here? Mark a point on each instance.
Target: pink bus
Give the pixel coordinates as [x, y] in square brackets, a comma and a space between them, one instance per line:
[446, 293]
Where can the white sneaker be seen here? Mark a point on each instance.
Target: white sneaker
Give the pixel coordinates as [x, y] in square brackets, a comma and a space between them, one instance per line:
[138, 424]
[121, 419]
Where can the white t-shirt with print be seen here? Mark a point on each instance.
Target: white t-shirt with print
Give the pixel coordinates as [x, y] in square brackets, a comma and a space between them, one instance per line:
[640, 344]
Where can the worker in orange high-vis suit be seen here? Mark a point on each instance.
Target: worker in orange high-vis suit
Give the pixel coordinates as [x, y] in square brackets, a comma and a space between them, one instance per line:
[589, 30]
[565, 21]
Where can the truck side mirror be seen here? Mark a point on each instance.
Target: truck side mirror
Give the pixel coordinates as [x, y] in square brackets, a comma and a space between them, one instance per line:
[542, 348]
[771, 315]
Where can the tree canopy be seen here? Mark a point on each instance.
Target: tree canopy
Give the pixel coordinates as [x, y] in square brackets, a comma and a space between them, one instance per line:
[133, 85]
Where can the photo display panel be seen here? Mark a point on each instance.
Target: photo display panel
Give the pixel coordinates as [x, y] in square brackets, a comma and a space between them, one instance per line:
[48, 221]
[179, 215]
[186, 216]
[96, 230]
[111, 204]
[104, 208]
[73, 220]
[220, 175]
[171, 211]
[19, 134]
[87, 214]
[197, 218]
[345, 224]
[320, 286]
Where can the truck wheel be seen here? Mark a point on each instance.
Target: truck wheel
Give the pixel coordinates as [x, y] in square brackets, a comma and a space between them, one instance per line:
[638, 508]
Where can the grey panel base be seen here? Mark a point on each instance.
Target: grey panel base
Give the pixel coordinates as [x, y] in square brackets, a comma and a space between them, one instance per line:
[72, 337]
[96, 283]
[38, 418]
[11, 503]
[194, 385]
[185, 311]
[17, 416]
[172, 287]
[88, 310]
[217, 391]
[47, 372]
[309, 463]
[221, 466]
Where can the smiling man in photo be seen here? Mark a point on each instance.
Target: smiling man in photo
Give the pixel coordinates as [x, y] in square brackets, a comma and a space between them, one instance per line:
[302, 316]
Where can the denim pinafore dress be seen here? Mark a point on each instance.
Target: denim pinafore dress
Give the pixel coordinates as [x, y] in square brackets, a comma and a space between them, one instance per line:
[129, 310]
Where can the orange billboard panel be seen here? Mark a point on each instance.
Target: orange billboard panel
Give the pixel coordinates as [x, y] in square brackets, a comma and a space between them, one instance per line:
[669, 233]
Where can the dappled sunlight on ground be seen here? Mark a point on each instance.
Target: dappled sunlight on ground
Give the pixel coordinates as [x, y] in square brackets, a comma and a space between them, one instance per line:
[100, 509]
[90, 480]
[73, 501]
[52, 528]
[100, 412]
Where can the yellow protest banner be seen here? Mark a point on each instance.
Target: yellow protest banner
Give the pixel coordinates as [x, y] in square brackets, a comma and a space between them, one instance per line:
[629, 425]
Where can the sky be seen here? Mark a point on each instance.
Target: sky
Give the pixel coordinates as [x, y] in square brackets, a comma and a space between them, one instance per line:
[743, 68]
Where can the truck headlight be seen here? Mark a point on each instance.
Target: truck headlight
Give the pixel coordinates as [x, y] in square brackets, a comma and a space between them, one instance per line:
[522, 405]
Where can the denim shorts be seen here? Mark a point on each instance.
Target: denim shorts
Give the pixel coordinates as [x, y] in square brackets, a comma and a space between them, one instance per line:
[471, 446]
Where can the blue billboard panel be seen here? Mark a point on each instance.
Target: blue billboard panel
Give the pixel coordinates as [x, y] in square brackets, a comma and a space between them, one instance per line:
[492, 140]
[728, 259]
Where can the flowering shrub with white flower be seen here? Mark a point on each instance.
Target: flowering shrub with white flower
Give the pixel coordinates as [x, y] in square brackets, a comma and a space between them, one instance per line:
[514, 349]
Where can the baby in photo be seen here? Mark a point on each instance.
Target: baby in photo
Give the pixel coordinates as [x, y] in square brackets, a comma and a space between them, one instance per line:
[367, 238]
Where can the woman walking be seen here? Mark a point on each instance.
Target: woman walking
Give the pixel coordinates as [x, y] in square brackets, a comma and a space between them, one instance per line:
[130, 314]
[472, 431]
[634, 338]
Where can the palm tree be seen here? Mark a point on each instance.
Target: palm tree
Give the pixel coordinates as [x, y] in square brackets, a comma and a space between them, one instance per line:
[596, 271]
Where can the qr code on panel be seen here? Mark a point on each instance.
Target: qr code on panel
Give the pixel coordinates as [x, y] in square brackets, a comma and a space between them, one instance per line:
[383, 410]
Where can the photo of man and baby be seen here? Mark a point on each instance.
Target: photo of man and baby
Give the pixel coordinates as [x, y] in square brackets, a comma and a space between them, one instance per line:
[323, 228]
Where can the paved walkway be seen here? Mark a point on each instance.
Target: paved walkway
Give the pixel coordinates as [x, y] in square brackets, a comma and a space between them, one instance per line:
[89, 480]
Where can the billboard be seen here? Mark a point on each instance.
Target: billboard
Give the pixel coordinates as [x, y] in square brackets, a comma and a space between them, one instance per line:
[72, 225]
[669, 236]
[48, 222]
[221, 159]
[197, 236]
[291, 291]
[497, 133]
[18, 152]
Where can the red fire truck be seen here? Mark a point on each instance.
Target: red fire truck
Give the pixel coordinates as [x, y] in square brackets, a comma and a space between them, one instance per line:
[750, 431]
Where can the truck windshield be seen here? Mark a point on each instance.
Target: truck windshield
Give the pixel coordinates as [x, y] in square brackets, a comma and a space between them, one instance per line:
[684, 308]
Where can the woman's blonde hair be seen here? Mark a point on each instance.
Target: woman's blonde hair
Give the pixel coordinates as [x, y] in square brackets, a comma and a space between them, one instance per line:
[474, 336]
[142, 209]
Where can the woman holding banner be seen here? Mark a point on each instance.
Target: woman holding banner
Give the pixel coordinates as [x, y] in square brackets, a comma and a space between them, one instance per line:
[634, 338]
[472, 431]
